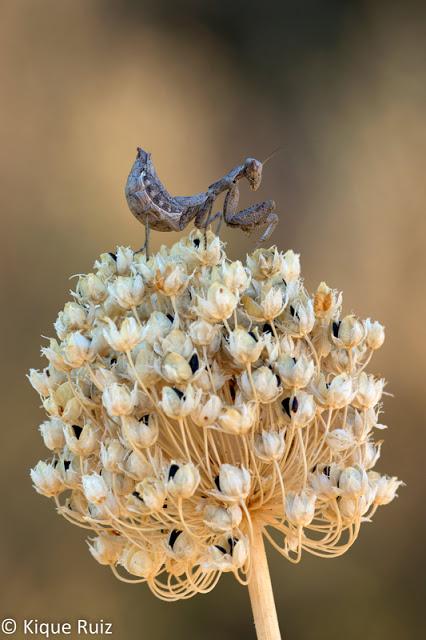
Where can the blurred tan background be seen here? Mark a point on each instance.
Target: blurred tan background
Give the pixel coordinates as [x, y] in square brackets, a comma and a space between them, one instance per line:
[341, 86]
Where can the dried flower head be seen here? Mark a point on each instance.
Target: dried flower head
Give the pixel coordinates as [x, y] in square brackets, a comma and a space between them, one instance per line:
[190, 397]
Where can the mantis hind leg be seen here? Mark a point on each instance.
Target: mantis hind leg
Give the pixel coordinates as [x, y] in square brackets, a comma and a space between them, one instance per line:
[145, 247]
[147, 238]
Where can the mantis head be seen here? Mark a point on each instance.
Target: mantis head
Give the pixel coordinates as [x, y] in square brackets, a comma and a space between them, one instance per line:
[253, 172]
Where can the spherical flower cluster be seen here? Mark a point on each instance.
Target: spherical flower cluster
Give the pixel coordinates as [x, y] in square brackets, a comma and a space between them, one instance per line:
[191, 398]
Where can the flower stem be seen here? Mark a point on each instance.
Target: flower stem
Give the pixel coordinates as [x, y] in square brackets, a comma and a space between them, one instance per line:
[260, 590]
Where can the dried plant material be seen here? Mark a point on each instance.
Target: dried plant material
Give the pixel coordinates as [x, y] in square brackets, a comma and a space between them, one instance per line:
[194, 402]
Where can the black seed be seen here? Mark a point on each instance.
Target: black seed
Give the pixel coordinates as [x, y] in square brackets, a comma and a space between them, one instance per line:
[267, 328]
[285, 282]
[314, 468]
[170, 317]
[232, 542]
[164, 506]
[67, 464]
[232, 389]
[295, 404]
[326, 471]
[77, 431]
[144, 419]
[220, 548]
[197, 242]
[294, 313]
[173, 537]
[113, 360]
[294, 360]
[137, 495]
[113, 256]
[179, 393]
[253, 335]
[336, 327]
[286, 406]
[172, 471]
[217, 483]
[194, 363]
[55, 463]
[327, 385]
[48, 373]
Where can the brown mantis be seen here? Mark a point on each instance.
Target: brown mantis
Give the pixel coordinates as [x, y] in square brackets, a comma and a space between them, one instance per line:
[152, 204]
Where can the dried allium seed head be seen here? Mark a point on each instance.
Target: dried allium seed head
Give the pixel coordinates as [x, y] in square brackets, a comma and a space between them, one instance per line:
[188, 395]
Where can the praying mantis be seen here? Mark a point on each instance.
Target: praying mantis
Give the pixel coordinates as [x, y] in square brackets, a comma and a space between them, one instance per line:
[156, 208]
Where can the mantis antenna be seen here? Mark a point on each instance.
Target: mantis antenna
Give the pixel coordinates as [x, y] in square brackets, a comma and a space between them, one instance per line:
[271, 155]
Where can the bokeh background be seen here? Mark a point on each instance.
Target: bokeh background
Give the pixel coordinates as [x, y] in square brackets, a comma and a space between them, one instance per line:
[340, 86]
